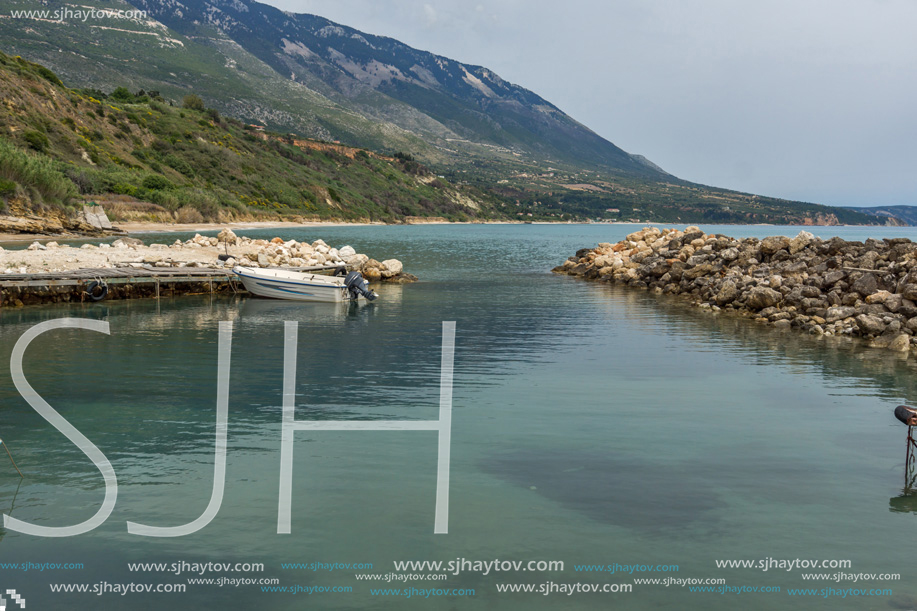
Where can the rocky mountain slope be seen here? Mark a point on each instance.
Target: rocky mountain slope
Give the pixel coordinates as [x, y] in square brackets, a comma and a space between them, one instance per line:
[445, 100]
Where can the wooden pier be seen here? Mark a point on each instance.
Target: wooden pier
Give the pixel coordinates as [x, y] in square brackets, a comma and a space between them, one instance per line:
[121, 283]
[118, 283]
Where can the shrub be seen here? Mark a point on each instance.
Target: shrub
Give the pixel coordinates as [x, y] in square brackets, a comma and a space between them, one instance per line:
[36, 140]
[124, 189]
[157, 183]
[179, 165]
[37, 173]
[193, 102]
[167, 199]
[122, 94]
[187, 214]
[7, 187]
[86, 181]
[46, 74]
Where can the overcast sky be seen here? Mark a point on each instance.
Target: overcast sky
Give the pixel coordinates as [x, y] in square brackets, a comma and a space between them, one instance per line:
[804, 99]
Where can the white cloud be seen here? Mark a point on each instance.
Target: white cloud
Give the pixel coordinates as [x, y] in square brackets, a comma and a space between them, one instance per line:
[429, 15]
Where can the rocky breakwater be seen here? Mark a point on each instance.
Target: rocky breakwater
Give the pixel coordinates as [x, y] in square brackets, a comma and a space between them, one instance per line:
[220, 252]
[824, 287]
[290, 253]
[199, 251]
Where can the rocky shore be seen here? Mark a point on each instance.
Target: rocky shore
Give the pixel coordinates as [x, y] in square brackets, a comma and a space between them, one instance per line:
[199, 251]
[222, 252]
[824, 287]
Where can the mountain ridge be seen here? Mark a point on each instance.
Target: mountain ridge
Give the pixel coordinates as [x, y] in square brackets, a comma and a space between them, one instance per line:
[309, 76]
[336, 59]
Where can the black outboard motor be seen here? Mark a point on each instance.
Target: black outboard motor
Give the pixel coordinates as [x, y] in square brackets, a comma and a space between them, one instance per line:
[357, 285]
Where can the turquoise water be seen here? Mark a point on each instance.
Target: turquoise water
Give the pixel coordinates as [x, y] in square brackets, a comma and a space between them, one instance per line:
[591, 425]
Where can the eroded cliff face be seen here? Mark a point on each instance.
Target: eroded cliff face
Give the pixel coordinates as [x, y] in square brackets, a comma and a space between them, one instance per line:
[20, 217]
[821, 219]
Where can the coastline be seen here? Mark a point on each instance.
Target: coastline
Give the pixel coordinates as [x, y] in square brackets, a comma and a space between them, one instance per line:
[130, 228]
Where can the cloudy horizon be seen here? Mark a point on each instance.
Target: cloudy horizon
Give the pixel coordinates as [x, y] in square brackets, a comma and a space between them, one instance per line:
[808, 101]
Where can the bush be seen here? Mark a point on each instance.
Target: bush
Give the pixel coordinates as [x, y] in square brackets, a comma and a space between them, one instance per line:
[46, 74]
[155, 182]
[36, 140]
[85, 180]
[123, 188]
[179, 165]
[7, 187]
[37, 173]
[187, 214]
[193, 102]
[122, 94]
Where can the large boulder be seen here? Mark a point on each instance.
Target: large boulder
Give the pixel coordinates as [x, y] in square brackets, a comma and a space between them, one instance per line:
[866, 285]
[869, 324]
[880, 297]
[774, 243]
[839, 313]
[727, 294]
[356, 260]
[691, 233]
[834, 276]
[122, 243]
[391, 267]
[226, 236]
[802, 239]
[900, 343]
[909, 291]
[762, 297]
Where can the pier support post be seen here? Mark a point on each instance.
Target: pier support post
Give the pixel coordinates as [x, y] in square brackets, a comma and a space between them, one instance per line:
[910, 461]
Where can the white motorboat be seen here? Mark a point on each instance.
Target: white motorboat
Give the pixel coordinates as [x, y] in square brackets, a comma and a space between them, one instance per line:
[303, 286]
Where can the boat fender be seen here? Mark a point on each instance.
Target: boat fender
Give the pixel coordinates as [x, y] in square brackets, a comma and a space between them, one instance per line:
[97, 290]
[907, 415]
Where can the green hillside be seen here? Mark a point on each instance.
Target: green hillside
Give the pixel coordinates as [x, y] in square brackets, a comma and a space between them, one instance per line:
[151, 159]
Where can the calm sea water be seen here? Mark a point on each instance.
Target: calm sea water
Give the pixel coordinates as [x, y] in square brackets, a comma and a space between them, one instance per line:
[592, 425]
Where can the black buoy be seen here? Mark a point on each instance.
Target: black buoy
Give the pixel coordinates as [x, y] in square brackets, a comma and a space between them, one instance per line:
[907, 415]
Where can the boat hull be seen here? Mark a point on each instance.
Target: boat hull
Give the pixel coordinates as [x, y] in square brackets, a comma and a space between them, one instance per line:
[263, 285]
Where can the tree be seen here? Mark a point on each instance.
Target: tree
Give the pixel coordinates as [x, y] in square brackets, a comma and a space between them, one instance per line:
[193, 102]
[122, 94]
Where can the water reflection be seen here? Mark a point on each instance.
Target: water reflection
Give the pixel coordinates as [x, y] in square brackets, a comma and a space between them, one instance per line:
[605, 420]
[655, 497]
